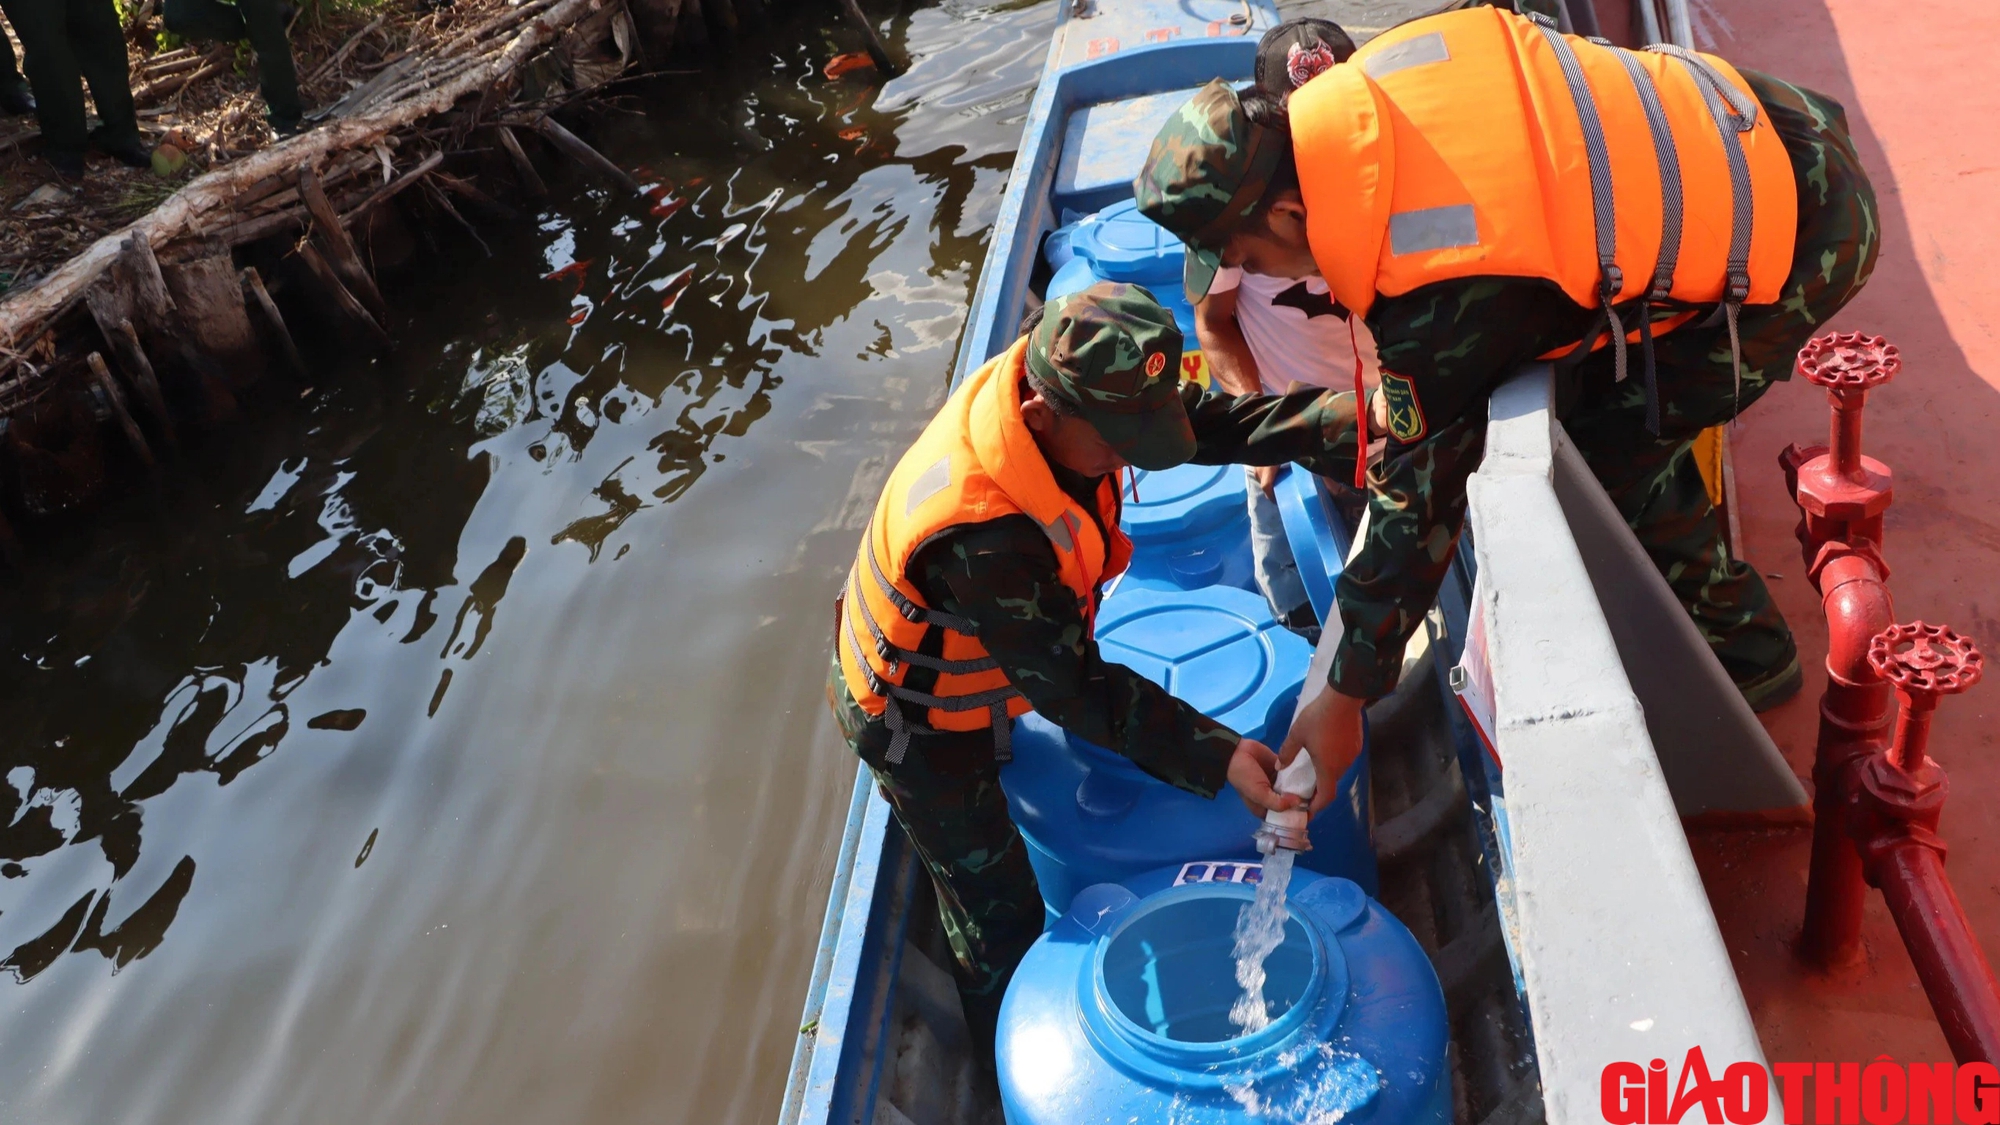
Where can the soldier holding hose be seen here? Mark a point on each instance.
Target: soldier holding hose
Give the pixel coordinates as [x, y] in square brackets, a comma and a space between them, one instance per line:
[1486, 192]
[972, 598]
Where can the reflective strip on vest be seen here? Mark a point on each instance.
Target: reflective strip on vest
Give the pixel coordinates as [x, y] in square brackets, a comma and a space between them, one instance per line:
[1738, 116]
[900, 726]
[1415, 52]
[1470, 112]
[1433, 228]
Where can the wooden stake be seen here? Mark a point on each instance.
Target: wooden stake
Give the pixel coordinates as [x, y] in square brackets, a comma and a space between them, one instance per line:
[110, 314]
[336, 292]
[124, 341]
[531, 180]
[394, 186]
[346, 259]
[585, 155]
[478, 198]
[876, 50]
[259, 298]
[119, 411]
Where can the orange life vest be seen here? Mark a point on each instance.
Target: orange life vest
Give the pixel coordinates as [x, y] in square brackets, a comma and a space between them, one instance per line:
[976, 461]
[1480, 143]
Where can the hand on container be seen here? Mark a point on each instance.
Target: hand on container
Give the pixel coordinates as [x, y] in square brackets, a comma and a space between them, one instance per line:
[1267, 479]
[1328, 728]
[1252, 769]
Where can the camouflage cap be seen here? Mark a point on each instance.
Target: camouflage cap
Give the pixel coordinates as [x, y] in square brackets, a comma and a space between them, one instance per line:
[1114, 354]
[1209, 169]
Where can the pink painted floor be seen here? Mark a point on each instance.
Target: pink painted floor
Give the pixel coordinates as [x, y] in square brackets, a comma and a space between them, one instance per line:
[1918, 78]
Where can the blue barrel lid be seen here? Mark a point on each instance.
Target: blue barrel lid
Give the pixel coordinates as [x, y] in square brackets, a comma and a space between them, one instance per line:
[1215, 648]
[1127, 246]
[1178, 504]
[1119, 1011]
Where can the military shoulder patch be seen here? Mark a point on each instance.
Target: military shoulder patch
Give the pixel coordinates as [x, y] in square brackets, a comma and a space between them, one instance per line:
[1406, 415]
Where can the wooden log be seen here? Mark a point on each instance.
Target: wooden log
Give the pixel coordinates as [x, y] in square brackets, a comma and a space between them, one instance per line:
[583, 154]
[346, 259]
[101, 374]
[210, 300]
[23, 314]
[531, 180]
[132, 360]
[259, 298]
[344, 301]
[261, 227]
[393, 187]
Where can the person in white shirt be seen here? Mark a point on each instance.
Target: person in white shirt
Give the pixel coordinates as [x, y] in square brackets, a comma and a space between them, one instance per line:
[1270, 335]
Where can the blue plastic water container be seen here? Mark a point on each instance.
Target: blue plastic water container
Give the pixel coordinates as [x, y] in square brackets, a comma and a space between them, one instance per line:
[1089, 815]
[1190, 527]
[1119, 1015]
[1120, 244]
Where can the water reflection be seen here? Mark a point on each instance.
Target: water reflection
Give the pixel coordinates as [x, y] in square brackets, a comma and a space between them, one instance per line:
[447, 746]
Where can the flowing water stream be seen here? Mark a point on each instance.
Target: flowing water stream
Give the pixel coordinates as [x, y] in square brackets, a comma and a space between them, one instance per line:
[447, 744]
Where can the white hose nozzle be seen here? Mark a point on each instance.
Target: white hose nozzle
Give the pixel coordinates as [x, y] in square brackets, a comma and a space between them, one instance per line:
[1288, 829]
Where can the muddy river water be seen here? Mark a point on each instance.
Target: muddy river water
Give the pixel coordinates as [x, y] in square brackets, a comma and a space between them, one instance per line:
[449, 745]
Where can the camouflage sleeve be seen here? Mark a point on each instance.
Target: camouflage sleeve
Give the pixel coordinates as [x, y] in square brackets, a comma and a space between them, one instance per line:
[1002, 575]
[1313, 428]
[1442, 348]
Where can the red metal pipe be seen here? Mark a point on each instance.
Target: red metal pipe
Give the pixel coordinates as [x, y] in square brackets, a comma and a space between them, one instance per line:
[1899, 799]
[1854, 720]
[1947, 955]
[1846, 433]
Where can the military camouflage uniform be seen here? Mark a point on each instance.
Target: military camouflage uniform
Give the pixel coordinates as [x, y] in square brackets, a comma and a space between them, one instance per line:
[1454, 341]
[1002, 575]
[1444, 347]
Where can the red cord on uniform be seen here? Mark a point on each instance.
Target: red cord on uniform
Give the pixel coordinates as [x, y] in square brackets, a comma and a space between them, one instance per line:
[1360, 411]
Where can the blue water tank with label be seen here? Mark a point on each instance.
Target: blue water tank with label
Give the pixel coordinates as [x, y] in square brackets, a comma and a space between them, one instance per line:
[1190, 527]
[1089, 815]
[1120, 244]
[1119, 1014]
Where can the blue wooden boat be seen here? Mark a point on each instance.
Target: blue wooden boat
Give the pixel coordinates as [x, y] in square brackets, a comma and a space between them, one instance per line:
[882, 1037]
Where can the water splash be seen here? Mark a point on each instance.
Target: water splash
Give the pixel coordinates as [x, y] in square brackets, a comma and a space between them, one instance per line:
[1260, 928]
[1325, 1086]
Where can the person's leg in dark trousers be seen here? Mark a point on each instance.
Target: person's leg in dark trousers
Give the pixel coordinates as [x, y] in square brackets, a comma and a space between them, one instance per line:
[52, 70]
[98, 40]
[1653, 480]
[946, 794]
[15, 96]
[68, 42]
[263, 24]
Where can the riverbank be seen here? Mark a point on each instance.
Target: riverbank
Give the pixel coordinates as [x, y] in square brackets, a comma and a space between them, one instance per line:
[145, 300]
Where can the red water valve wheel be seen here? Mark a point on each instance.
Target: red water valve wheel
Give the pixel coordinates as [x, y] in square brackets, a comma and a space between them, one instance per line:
[1925, 663]
[1926, 660]
[1849, 361]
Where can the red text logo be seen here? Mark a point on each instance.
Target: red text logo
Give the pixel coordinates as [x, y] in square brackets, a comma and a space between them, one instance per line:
[1883, 1092]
